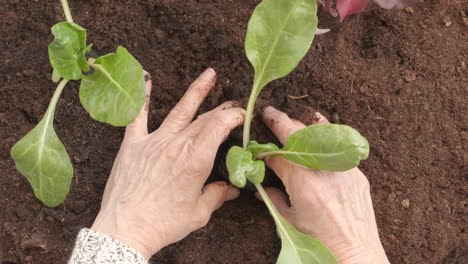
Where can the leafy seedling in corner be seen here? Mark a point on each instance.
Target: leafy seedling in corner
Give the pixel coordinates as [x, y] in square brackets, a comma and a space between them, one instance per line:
[113, 93]
[279, 34]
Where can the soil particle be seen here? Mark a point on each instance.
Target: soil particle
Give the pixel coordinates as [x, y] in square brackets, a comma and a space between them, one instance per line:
[409, 76]
[28, 73]
[8, 227]
[335, 118]
[160, 35]
[53, 215]
[447, 21]
[405, 203]
[36, 240]
[24, 213]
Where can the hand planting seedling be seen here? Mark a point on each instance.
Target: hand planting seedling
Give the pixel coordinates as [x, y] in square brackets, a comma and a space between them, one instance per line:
[279, 34]
[113, 93]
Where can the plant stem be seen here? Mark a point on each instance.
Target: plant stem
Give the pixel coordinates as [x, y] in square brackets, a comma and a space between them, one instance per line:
[281, 223]
[66, 10]
[266, 199]
[270, 153]
[53, 102]
[249, 113]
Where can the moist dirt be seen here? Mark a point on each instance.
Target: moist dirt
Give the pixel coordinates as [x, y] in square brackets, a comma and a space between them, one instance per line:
[398, 76]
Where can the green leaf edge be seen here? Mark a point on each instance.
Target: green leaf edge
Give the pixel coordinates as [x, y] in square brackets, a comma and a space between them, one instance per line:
[284, 152]
[239, 179]
[48, 118]
[259, 83]
[81, 60]
[106, 73]
[281, 222]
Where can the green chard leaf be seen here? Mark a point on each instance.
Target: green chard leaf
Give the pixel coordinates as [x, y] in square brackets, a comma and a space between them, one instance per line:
[297, 247]
[279, 34]
[67, 51]
[43, 160]
[300, 248]
[115, 92]
[241, 167]
[328, 147]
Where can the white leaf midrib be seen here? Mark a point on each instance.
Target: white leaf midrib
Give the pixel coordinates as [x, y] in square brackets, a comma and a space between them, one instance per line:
[104, 71]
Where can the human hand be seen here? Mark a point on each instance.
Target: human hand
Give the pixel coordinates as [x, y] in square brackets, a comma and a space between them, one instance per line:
[334, 207]
[155, 194]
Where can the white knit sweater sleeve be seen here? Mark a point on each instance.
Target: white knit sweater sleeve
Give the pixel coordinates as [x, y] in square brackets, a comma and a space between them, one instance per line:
[95, 248]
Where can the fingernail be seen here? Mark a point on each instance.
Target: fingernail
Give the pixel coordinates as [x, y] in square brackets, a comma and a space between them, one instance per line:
[269, 109]
[230, 105]
[317, 116]
[208, 74]
[147, 76]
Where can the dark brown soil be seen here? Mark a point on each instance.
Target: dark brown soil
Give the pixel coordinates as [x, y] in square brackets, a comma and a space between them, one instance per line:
[398, 76]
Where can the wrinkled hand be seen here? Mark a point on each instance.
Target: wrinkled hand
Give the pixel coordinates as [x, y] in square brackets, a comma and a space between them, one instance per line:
[155, 194]
[334, 207]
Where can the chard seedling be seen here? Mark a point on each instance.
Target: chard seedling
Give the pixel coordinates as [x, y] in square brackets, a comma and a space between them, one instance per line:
[114, 93]
[279, 34]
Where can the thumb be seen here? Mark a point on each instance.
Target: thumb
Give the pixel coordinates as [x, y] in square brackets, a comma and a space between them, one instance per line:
[139, 127]
[281, 202]
[214, 195]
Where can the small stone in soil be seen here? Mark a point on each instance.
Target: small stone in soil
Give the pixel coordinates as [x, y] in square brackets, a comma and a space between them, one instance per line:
[8, 227]
[391, 197]
[405, 91]
[335, 117]
[54, 214]
[447, 21]
[35, 241]
[409, 10]
[409, 76]
[28, 73]
[405, 203]
[160, 35]
[24, 213]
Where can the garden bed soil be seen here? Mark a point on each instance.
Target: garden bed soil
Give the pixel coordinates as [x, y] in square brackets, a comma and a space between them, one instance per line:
[399, 77]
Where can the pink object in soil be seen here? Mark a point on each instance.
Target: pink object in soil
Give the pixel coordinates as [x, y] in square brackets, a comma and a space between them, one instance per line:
[349, 7]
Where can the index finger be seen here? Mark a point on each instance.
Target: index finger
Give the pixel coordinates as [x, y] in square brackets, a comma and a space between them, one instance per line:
[280, 123]
[182, 114]
[214, 127]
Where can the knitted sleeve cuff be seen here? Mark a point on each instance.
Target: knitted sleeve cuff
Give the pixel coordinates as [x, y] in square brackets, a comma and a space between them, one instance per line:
[95, 248]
